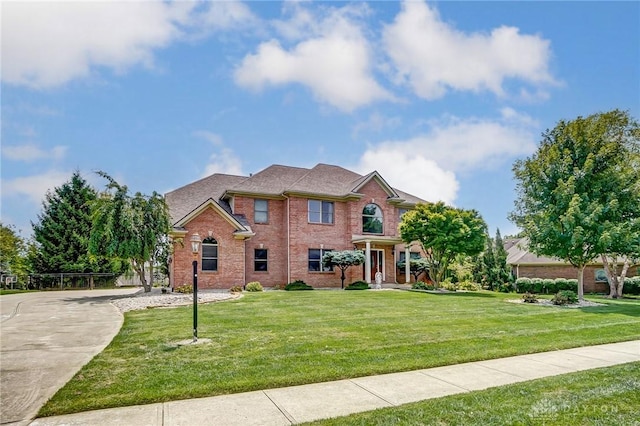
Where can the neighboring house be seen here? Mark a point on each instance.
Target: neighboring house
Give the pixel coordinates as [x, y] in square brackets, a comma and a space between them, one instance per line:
[275, 226]
[526, 264]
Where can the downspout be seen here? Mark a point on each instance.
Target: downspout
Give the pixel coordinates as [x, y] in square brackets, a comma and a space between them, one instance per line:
[244, 266]
[288, 241]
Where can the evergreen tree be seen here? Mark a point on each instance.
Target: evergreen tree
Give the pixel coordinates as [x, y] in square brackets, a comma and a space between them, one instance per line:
[63, 229]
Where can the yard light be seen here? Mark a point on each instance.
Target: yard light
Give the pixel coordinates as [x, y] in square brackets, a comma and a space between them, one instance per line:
[195, 248]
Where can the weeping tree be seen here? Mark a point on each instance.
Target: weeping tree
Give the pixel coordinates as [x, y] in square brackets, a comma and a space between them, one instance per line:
[579, 193]
[343, 260]
[131, 227]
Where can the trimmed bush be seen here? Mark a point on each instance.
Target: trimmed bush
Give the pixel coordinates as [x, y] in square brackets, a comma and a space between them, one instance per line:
[565, 297]
[524, 285]
[235, 289]
[537, 285]
[549, 286]
[631, 286]
[529, 298]
[253, 286]
[185, 288]
[297, 285]
[420, 285]
[469, 286]
[358, 285]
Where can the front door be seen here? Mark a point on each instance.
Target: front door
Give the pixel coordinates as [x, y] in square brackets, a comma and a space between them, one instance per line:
[377, 263]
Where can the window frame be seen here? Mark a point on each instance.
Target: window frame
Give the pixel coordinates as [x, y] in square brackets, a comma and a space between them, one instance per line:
[257, 261]
[321, 267]
[372, 217]
[256, 211]
[213, 243]
[325, 214]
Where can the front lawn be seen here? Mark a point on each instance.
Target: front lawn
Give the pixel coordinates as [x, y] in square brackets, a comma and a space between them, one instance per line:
[276, 339]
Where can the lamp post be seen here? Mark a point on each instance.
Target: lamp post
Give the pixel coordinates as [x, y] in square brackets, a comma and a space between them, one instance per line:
[195, 248]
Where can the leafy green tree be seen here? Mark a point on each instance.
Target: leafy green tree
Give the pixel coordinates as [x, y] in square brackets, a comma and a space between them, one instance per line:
[343, 260]
[579, 194]
[444, 232]
[417, 266]
[62, 232]
[130, 227]
[12, 252]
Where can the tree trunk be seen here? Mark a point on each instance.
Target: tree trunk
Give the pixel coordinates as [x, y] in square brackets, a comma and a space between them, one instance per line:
[342, 277]
[581, 282]
[139, 268]
[616, 282]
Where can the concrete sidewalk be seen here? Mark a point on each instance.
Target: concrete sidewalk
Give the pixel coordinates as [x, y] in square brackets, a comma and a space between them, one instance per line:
[297, 404]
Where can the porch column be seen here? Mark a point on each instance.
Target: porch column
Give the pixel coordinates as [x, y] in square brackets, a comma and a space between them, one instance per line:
[407, 267]
[367, 262]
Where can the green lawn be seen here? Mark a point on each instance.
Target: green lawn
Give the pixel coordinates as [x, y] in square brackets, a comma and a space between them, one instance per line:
[604, 396]
[275, 339]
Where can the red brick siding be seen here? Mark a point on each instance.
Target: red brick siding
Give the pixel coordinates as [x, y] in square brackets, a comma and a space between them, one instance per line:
[236, 257]
[230, 254]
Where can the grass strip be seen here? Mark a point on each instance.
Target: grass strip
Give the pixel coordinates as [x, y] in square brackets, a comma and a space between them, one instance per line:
[604, 396]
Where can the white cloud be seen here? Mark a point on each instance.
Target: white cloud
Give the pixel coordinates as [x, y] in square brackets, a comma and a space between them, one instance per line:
[426, 165]
[333, 60]
[29, 153]
[48, 44]
[228, 15]
[412, 172]
[375, 123]
[222, 159]
[433, 57]
[34, 187]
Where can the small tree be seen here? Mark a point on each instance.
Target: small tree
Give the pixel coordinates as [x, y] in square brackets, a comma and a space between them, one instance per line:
[417, 266]
[130, 227]
[343, 260]
[13, 252]
[444, 232]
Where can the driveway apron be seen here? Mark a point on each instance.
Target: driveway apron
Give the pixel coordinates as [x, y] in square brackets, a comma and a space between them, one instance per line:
[45, 338]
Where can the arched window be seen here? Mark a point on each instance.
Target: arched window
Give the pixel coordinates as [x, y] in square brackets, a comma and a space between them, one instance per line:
[372, 219]
[209, 254]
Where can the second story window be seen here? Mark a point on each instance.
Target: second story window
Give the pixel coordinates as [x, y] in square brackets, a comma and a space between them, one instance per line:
[261, 211]
[372, 219]
[320, 211]
[209, 254]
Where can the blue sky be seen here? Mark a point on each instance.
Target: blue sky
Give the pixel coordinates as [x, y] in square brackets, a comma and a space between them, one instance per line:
[439, 97]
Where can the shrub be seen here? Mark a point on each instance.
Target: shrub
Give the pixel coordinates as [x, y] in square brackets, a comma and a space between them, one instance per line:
[297, 285]
[184, 288]
[448, 284]
[529, 298]
[420, 285]
[537, 286]
[572, 284]
[469, 286]
[565, 297]
[631, 285]
[505, 288]
[253, 286]
[524, 285]
[549, 286]
[279, 286]
[358, 285]
[235, 289]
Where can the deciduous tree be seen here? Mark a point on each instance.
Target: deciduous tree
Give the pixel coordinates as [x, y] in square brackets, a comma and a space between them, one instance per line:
[444, 232]
[130, 227]
[579, 193]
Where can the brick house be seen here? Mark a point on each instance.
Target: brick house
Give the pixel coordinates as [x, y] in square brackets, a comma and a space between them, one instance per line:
[274, 227]
[526, 264]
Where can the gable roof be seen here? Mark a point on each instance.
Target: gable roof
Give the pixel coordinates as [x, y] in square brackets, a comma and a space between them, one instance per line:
[278, 181]
[518, 254]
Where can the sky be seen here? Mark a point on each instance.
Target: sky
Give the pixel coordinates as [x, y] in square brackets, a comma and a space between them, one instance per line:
[439, 97]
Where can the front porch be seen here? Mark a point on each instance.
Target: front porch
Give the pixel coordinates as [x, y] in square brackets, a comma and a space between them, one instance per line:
[381, 254]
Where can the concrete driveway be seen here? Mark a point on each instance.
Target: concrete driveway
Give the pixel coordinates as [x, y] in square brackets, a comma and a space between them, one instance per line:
[45, 338]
